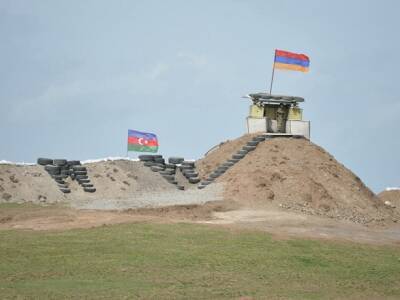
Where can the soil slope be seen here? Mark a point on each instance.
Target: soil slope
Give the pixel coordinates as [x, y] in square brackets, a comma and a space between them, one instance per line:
[298, 175]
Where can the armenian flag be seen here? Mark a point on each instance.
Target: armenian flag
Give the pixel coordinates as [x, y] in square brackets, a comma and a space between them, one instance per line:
[142, 141]
[291, 61]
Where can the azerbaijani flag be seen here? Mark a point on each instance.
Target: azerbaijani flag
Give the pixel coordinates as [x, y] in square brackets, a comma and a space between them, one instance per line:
[142, 141]
[291, 61]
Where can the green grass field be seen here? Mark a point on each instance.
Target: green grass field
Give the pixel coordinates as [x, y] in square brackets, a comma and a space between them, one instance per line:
[159, 261]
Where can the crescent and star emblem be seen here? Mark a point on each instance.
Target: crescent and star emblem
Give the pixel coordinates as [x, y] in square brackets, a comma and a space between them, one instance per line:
[140, 141]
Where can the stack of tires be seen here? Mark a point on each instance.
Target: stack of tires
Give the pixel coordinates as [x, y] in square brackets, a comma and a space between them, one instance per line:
[188, 170]
[157, 164]
[79, 173]
[61, 169]
[173, 163]
[58, 170]
[221, 169]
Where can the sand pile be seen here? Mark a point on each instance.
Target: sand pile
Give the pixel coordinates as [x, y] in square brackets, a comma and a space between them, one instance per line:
[119, 179]
[120, 184]
[298, 175]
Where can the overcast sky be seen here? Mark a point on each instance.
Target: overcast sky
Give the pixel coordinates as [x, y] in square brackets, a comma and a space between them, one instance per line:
[75, 75]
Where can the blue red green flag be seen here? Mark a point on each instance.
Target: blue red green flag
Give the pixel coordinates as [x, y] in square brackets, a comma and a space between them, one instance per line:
[142, 141]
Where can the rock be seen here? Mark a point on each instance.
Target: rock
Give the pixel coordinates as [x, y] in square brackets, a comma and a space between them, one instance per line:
[6, 196]
[389, 204]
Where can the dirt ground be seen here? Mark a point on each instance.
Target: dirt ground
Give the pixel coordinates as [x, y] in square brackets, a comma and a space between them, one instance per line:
[281, 224]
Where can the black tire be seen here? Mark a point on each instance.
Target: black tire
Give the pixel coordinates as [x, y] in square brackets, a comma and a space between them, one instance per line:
[191, 175]
[73, 162]
[252, 143]
[65, 172]
[159, 160]
[87, 185]
[243, 152]
[249, 148]
[89, 189]
[214, 175]
[188, 163]
[206, 182]
[80, 173]
[175, 160]
[51, 168]
[59, 181]
[233, 161]
[159, 165]
[170, 166]
[189, 171]
[58, 177]
[148, 163]
[44, 161]
[169, 177]
[64, 186]
[219, 172]
[79, 168]
[65, 190]
[59, 162]
[259, 138]
[156, 168]
[146, 157]
[222, 168]
[237, 156]
[167, 172]
[79, 177]
[186, 167]
[180, 187]
[172, 181]
[201, 187]
[83, 181]
[227, 164]
[194, 180]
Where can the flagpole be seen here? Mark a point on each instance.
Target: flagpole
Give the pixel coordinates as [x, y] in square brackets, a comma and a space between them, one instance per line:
[272, 76]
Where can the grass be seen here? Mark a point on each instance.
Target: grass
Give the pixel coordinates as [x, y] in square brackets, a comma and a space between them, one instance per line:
[172, 261]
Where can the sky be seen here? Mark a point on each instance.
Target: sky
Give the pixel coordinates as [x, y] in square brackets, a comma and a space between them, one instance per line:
[76, 75]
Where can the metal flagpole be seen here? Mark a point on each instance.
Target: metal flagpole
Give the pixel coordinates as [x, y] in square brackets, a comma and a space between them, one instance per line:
[127, 146]
[272, 76]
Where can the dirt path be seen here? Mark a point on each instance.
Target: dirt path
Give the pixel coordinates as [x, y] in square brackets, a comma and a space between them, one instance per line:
[285, 224]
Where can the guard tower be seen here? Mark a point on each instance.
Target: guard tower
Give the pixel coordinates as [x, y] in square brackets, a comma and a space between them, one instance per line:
[277, 115]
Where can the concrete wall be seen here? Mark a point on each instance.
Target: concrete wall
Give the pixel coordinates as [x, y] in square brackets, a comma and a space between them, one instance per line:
[267, 125]
[298, 128]
[256, 125]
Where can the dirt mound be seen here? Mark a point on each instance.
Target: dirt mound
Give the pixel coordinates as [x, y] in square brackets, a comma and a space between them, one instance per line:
[298, 175]
[113, 179]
